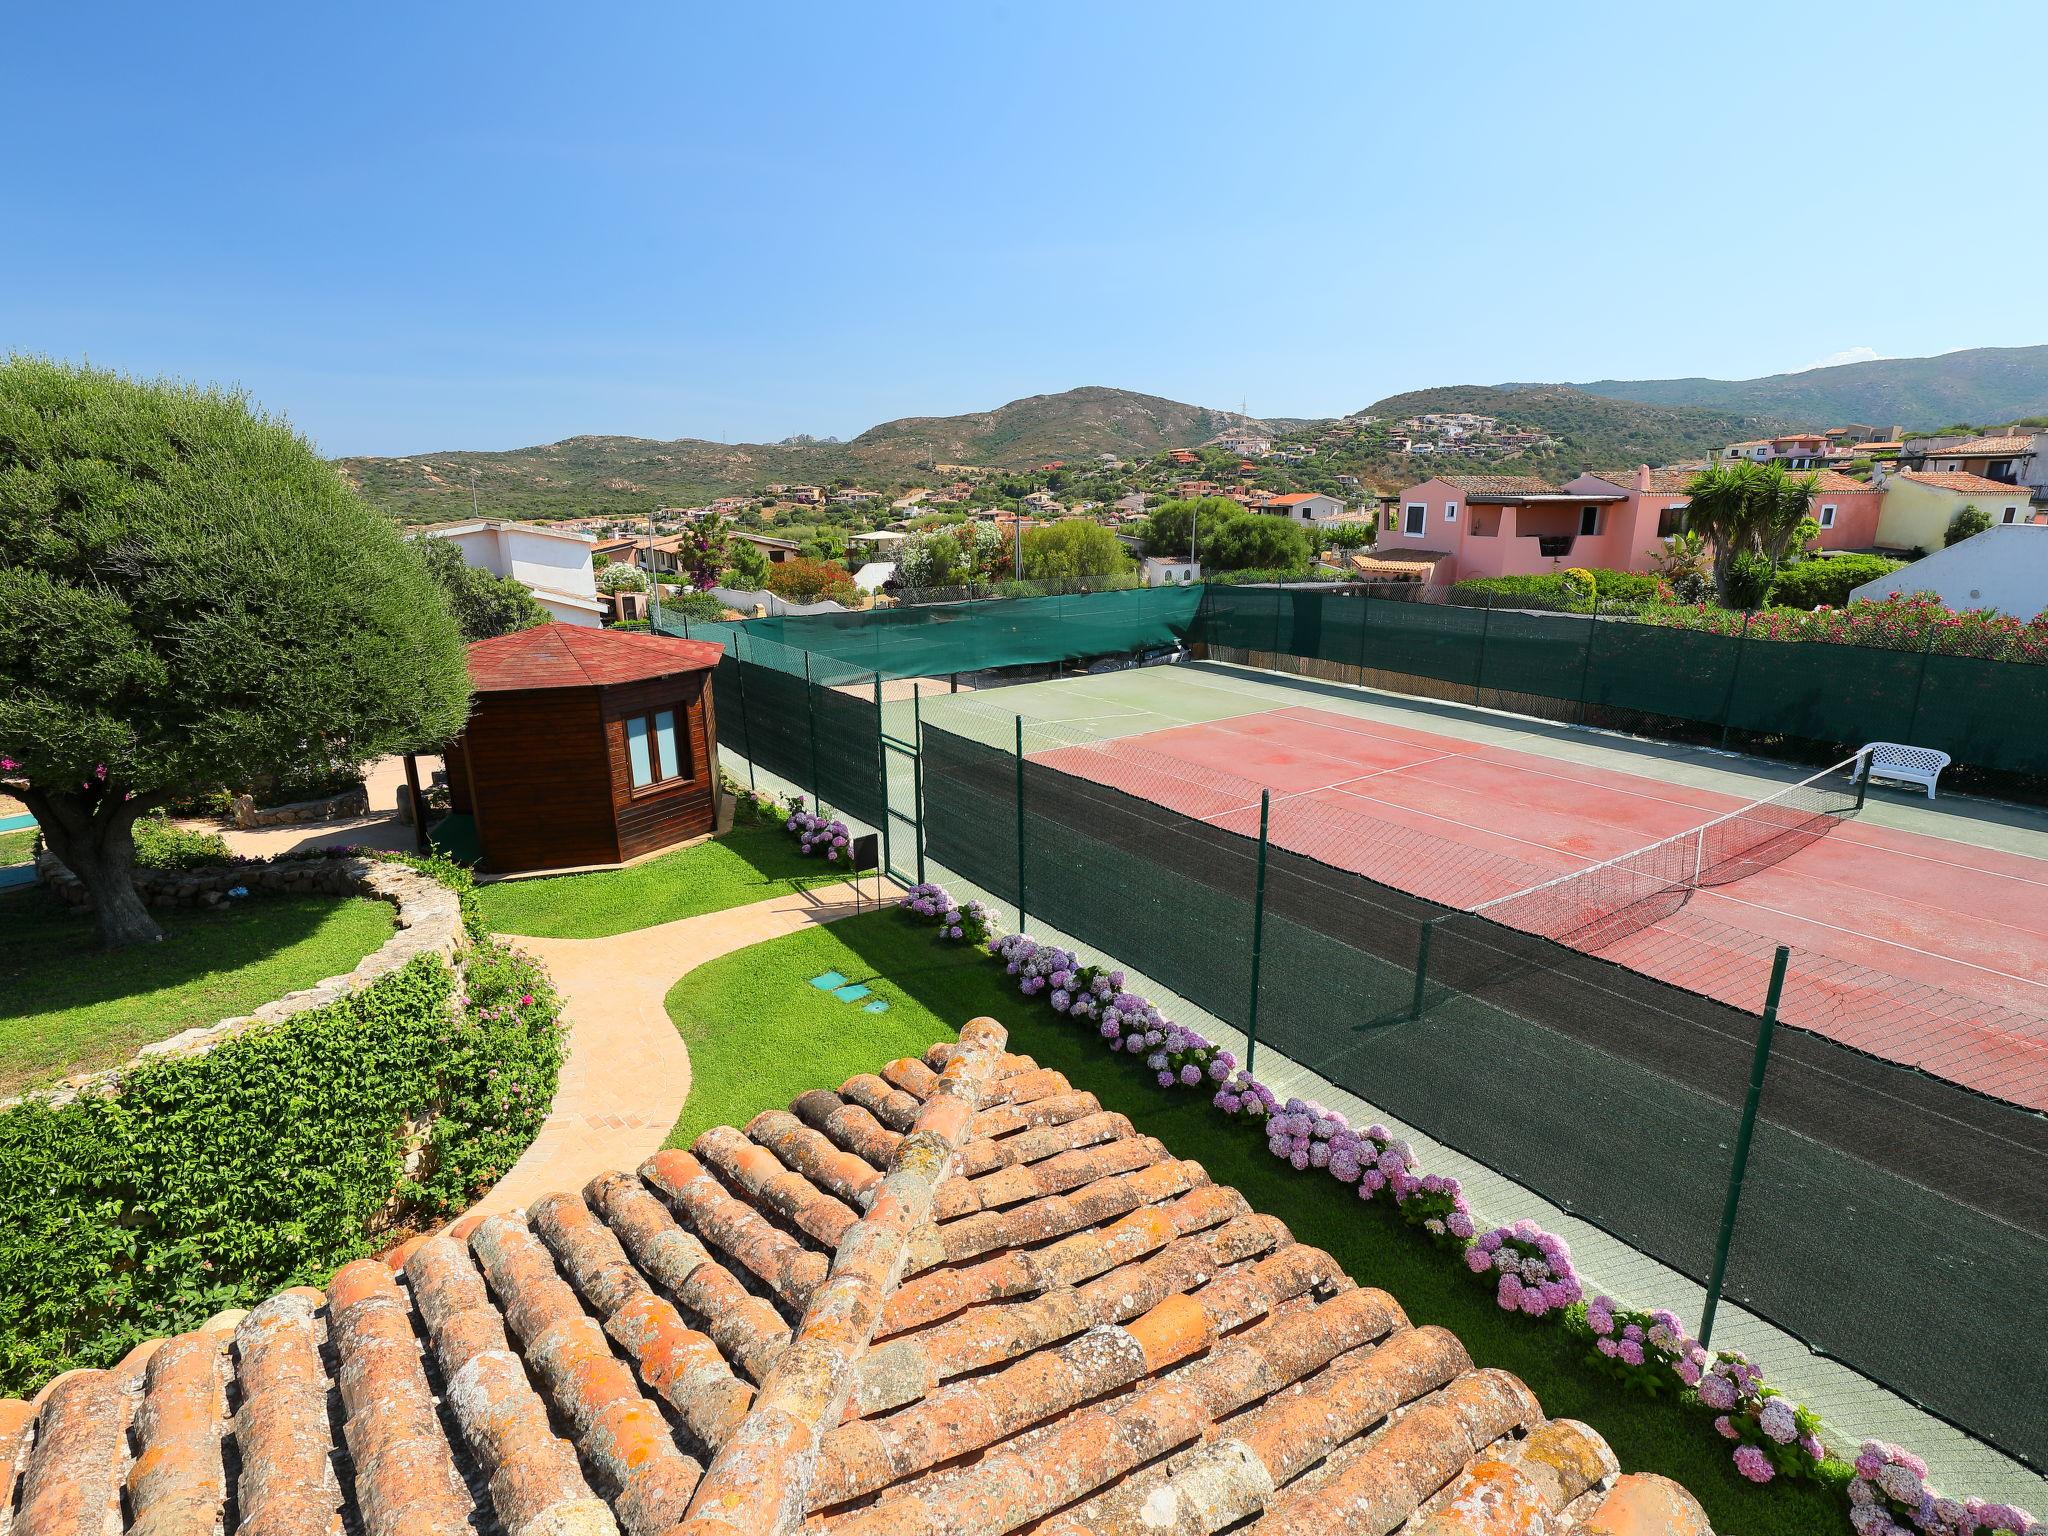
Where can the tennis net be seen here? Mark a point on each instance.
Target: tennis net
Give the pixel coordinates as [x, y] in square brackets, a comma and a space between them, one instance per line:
[1592, 908]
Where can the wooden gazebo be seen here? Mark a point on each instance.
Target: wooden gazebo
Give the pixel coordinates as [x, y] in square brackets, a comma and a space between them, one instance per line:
[586, 747]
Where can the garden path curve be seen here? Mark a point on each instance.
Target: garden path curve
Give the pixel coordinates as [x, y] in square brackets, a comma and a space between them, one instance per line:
[628, 1070]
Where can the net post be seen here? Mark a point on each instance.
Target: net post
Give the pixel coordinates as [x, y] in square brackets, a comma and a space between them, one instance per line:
[739, 672]
[1020, 823]
[882, 769]
[1251, 1023]
[1758, 1067]
[1479, 670]
[1415, 1004]
[1735, 676]
[1586, 657]
[917, 772]
[811, 718]
[1862, 776]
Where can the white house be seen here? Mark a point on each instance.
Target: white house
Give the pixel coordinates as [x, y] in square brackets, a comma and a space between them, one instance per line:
[1304, 507]
[2005, 567]
[874, 575]
[552, 564]
[1160, 572]
[882, 544]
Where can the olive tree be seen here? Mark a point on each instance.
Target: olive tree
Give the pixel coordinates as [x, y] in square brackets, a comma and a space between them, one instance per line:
[189, 595]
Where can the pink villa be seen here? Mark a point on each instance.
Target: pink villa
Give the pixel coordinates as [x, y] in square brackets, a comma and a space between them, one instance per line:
[1455, 527]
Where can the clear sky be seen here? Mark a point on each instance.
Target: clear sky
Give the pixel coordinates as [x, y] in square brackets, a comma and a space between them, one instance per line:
[480, 226]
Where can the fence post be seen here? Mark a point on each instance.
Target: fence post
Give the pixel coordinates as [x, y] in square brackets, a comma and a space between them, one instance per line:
[1586, 658]
[811, 717]
[1421, 968]
[1020, 823]
[917, 772]
[1251, 1023]
[1364, 623]
[739, 671]
[1758, 1065]
[1279, 601]
[1919, 683]
[1485, 624]
[882, 771]
[1735, 676]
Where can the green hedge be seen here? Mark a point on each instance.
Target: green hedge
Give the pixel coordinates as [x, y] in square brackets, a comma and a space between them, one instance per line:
[1570, 591]
[1813, 583]
[209, 1181]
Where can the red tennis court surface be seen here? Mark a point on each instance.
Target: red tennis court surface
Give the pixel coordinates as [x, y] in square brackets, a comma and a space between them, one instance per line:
[1924, 951]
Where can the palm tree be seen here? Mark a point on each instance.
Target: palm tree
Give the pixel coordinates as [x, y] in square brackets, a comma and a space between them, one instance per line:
[1747, 508]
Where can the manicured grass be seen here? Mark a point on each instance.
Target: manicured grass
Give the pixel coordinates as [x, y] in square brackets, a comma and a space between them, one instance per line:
[752, 862]
[16, 846]
[66, 1006]
[759, 1034]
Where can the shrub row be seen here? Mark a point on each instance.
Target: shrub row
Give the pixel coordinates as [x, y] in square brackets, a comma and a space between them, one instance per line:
[207, 1182]
[1530, 1271]
[1573, 591]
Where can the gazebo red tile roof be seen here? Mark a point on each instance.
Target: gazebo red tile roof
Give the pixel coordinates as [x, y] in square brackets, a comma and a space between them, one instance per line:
[957, 1298]
[577, 656]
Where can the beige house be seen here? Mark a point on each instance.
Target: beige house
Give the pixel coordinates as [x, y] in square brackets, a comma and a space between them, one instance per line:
[1921, 504]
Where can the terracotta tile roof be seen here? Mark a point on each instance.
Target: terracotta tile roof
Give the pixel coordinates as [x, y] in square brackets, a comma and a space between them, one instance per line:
[1956, 480]
[1982, 447]
[955, 1297]
[1835, 483]
[579, 656]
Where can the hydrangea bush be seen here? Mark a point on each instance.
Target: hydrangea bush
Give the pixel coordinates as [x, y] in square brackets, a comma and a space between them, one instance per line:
[965, 922]
[1892, 1497]
[817, 834]
[1531, 1269]
[1177, 1057]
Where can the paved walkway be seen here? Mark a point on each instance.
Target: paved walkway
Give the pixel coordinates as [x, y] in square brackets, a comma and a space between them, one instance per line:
[380, 829]
[628, 1071]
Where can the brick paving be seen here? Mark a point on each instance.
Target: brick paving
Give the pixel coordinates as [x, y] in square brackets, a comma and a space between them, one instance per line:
[628, 1071]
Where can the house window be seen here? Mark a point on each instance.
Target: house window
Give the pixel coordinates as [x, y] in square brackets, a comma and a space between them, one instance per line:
[1589, 521]
[1827, 516]
[1411, 519]
[1671, 521]
[654, 752]
[1450, 511]
[2012, 514]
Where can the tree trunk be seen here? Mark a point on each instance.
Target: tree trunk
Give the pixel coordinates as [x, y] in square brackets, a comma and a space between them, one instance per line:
[97, 844]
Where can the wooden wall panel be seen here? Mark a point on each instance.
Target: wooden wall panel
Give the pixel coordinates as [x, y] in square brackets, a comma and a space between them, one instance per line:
[541, 780]
[672, 812]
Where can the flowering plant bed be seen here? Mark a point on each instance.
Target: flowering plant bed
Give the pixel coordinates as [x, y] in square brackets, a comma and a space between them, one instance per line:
[817, 834]
[1529, 1270]
[1892, 1497]
[1897, 623]
[963, 922]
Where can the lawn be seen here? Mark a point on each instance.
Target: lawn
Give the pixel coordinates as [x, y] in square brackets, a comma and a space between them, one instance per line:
[16, 846]
[750, 863]
[65, 1006]
[759, 1034]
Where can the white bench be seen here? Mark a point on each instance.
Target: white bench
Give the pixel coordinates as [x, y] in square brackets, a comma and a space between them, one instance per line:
[1898, 763]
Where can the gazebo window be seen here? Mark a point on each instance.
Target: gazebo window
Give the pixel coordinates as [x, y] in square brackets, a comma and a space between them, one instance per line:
[653, 750]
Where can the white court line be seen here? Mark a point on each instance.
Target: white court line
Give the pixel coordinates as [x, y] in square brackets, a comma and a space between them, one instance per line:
[1722, 893]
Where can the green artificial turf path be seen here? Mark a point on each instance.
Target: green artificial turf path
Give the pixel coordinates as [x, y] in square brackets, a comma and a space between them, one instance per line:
[760, 1034]
[67, 1006]
[752, 862]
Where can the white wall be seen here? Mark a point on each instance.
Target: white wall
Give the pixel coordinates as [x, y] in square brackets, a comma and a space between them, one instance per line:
[2004, 567]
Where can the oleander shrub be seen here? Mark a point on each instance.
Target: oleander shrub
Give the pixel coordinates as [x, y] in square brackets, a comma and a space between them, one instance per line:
[209, 1181]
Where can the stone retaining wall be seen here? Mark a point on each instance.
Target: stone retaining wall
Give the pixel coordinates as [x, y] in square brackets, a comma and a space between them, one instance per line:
[350, 802]
[429, 919]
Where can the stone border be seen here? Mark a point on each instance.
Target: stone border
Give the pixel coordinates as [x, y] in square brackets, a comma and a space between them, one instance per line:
[429, 919]
[338, 807]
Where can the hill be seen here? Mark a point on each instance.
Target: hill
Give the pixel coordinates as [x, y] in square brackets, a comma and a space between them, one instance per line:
[1981, 384]
[586, 475]
[1591, 431]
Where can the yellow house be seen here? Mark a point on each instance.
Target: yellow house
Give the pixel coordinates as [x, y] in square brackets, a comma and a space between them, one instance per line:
[1920, 504]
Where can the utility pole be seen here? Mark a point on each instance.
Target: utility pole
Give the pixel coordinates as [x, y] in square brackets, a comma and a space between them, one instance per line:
[473, 512]
[653, 581]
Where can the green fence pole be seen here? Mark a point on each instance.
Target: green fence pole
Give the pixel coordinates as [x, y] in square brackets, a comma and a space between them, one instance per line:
[1251, 1023]
[739, 671]
[1485, 624]
[917, 773]
[882, 771]
[1421, 968]
[1020, 823]
[1586, 660]
[1735, 676]
[1919, 683]
[811, 715]
[1279, 601]
[1758, 1065]
[1364, 623]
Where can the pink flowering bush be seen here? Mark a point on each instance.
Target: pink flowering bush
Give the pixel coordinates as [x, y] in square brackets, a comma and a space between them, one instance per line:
[1531, 1269]
[818, 834]
[1892, 1497]
[1648, 1351]
[1772, 1435]
[1177, 1057]
[1899, 623]
[965, 922]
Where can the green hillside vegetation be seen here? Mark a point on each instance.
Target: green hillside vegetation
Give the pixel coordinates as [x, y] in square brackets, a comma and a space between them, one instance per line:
[1981, 384]
[1589, 429]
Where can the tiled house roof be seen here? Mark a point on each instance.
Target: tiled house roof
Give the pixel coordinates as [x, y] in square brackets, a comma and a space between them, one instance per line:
[958, 1298]
[1957, 480]
[578, 656]
[1983, 447]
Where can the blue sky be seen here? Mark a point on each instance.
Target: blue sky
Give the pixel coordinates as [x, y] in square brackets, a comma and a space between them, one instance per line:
[454, 226]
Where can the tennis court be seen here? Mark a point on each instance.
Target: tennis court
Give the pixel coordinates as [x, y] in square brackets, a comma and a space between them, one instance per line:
[1921, 949]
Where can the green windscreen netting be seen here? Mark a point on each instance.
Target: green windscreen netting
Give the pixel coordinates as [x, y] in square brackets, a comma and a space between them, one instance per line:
[1611, 1093]
[1982, 710]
